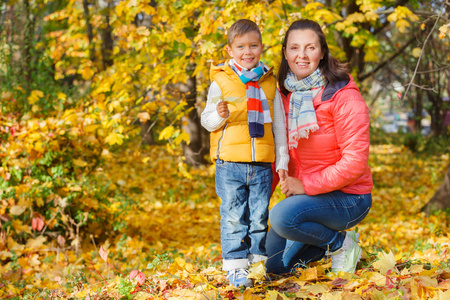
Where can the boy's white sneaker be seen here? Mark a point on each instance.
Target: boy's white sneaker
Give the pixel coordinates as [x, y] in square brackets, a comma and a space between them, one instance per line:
[238, 277]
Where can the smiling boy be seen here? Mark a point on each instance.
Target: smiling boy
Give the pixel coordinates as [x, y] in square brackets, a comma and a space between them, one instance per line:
[248, 134]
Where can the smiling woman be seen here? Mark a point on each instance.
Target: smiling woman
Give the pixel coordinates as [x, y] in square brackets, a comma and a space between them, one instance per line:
[303, 52]
[329, 184]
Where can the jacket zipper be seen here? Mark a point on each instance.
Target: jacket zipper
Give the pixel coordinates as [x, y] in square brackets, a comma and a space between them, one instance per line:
[219, 143]
[253, 149]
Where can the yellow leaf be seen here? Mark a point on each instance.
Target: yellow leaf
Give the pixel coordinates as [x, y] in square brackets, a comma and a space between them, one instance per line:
[274, 295]
[207, 47]
[35, 96]
[308, 274]
[393, 17]
[79, 162]
[90, 128]
[5, 254]
[351, 30]
[166, 133]
[182, 137]
[402, 25]
[34, 260]
[416, 52]
[385, 263]
[315, 289]
[114, 138]
[143, 117]
[371, 16]
[62, 96]
[257, 271]
[36, 243]
[248, 295]
[17, 210]
[87, 73]
[428, 281]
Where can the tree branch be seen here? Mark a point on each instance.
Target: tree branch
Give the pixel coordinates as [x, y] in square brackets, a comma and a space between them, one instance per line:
[408, 86]
[392, 57]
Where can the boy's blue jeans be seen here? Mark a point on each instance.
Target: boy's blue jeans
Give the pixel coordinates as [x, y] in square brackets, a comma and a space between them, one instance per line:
[304, 227]
[244, 189]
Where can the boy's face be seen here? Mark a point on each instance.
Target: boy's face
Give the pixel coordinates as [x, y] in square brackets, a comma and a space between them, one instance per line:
[246, 49]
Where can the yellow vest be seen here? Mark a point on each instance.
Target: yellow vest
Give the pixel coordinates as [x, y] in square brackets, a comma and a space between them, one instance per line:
[232, 142]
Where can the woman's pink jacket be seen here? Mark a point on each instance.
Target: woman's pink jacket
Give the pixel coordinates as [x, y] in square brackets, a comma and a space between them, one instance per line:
[335, 157]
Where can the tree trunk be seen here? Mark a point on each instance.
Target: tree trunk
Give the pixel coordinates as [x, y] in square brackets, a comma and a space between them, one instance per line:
[89, 31]
[441, 199]
[436, 112]
[194, 151]
[146, 133]
[26, 56]
[417, 104]
[107, 39]
[146, 128]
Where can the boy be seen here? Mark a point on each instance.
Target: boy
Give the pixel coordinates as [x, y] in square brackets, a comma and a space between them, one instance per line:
[244, 141]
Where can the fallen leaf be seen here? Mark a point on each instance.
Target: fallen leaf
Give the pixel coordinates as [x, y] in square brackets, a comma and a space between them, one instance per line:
[386, 262]
[308, 274]
[133, 274]
[37, 223]
[257, 271]
[36, 243]
[274, 295]
[103, 254]
[316, 288]
[17, 210]
[140, 278]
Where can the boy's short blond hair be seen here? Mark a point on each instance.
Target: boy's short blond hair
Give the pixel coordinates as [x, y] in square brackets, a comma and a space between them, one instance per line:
[241, 27]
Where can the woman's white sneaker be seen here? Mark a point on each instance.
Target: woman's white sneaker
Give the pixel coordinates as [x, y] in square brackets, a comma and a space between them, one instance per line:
[347, 257]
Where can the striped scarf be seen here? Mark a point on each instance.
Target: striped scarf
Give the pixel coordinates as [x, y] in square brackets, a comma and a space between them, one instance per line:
[302, 116]
[258, 111]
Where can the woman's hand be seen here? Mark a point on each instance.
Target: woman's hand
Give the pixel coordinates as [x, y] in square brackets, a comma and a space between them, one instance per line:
[292, 186]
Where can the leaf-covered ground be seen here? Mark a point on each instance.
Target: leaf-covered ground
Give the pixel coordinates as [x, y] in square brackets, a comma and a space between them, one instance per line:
[171, 237]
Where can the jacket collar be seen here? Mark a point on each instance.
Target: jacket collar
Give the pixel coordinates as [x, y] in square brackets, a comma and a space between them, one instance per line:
[332, 88]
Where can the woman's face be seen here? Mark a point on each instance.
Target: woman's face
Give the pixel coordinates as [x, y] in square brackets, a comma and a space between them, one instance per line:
[303, 52]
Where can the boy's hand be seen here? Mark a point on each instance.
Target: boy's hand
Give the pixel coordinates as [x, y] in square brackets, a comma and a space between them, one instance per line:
[222, 109]
[283, 174]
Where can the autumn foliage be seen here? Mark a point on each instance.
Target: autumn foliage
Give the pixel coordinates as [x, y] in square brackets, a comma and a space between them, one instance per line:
[88, 211]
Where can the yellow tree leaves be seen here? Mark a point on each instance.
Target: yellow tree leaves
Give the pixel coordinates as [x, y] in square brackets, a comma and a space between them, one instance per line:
[443, 30]
[400, 16]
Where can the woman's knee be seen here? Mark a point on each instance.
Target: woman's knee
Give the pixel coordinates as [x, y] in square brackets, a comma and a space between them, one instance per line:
[280, 217]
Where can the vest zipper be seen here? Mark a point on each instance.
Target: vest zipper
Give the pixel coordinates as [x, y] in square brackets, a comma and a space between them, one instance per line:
[219, 143]
[253, 149]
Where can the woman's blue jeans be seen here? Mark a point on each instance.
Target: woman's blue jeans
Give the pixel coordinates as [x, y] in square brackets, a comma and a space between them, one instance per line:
[304, 228]
[244, 189]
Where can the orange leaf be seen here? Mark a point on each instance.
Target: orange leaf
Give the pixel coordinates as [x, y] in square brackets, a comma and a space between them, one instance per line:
[37, 223]
[133, 274]
[140, 278]
[103, 253]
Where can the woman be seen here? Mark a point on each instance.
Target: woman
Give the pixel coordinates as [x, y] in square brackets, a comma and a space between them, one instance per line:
[329, 183]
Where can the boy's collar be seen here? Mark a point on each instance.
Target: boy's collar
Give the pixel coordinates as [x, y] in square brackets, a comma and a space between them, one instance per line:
[232, 61]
